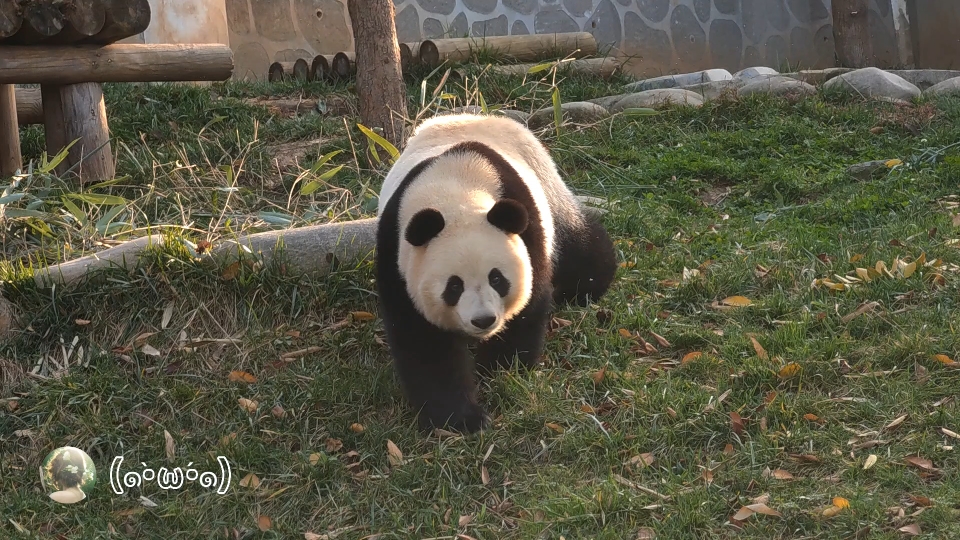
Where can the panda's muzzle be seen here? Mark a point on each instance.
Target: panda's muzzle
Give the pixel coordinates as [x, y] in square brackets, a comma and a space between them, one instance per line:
[483, 322]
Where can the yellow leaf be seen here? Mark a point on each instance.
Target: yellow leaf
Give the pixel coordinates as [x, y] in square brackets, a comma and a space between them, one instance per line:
[315, 458]
[690, 357]
[856, 258]
[362, 316]
[242, 376]
[555, 427]
[598, 376]
[863, 274]
[892, 163]
[394, 455]
[840, 502]
[831, 511]
[737, 301]
[356, 428]
[250, 480]
[625, 333]
[248, 405]
[871, 461]
[944, 359]
[264, 523]
[789, 370]
[909, 269]
[587, 408]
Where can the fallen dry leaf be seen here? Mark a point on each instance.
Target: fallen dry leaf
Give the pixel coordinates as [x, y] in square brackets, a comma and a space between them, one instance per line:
[913, 529]
[708, 476]
[781, 474]
[646, 533]
[598, 375]
[643, 460]
[660, 339]
[920, 463]
[362, 315]
[870, 462]
[840, 502]
[278, 411]
[728, 449]
[314, 458]
[625, 333]
[922, 501]
[896, 422]
[756, 508]
[484, 475]
[950, 433]
[264, 523]
[761, 352]
[864, 308]
[554, 426]
[691, 356]
[464, 520]
[169, 446]
[356, 428]
[81, 322]
[737, 301]
[789, 370]
[231, 271]
[394, 455]
[250, 480]
[736, 423]
[248, 405]
[944, 359]
[333, 444]
[242, 376]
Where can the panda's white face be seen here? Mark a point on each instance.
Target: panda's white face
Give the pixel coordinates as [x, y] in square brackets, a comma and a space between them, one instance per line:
[470, 277]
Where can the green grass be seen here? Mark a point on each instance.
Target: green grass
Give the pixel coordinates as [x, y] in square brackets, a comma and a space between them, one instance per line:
[780, 212]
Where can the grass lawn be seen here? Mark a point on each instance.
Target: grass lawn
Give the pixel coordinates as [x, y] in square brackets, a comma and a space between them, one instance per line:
[660, 411]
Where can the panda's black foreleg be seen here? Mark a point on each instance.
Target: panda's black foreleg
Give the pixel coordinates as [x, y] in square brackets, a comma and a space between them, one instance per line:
[587, 265]
[437, 374]
[520, 341]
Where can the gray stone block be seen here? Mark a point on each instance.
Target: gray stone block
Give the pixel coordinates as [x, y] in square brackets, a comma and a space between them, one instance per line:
[874, 82]
[685, 79]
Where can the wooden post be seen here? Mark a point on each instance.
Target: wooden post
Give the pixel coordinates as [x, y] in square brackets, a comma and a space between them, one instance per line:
[77, 111]
[10, 159]
[29, 106]
[851, 33]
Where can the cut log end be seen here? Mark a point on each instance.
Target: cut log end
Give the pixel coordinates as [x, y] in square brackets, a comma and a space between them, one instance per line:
[319, 68]
[406, 57]
[82, 19]
[123, 19]
[10, 19]
[343, 65]
[282, 71]
[429, 54]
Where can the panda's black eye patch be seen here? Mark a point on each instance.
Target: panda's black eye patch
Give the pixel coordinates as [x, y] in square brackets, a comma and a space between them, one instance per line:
[499, 282]
[453, 290]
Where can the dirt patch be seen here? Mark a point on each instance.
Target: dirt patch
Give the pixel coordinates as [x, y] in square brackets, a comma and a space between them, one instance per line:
[907, 116]
[715, 194]
[287, 157]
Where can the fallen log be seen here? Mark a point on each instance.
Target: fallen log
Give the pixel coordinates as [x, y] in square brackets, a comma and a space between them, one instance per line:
[10, 19]
[344, 65]
[41, 20]
[29, 106]
[522, 48]
[285, 71]
[123, 19]
[320, 67]
[119, 62]
[600, 67]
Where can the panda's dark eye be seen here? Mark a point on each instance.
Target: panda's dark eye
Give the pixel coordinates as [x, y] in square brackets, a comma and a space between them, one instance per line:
[453, 290]
[499, 282]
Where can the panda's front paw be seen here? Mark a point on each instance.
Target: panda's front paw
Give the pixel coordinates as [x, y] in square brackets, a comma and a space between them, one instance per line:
[470, 418]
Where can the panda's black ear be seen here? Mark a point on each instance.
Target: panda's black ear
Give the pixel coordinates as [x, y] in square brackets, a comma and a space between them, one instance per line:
[509, 216]
[424, 226]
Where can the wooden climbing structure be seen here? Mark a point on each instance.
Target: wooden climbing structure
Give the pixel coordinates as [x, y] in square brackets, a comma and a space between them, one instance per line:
[69, 48]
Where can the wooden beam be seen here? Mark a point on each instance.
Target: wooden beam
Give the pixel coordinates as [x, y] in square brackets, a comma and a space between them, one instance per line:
[10, 158]
[77, 111]
[29, 106]
[120, 62]
[523, 48]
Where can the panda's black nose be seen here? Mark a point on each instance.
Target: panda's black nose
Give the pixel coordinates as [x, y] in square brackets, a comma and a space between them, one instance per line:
[484, 322]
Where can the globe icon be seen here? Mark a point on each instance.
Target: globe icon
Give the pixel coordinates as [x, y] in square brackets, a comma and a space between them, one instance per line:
[68, 474]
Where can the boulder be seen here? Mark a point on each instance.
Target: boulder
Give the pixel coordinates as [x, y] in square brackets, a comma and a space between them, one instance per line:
[925, 78]
[660, 98]
[752, 72]
[607, 101]
[675, 81]
[777, 85]
[514, 114]
[949, 87]
[872, 82]
[714, 89]
[817, 76]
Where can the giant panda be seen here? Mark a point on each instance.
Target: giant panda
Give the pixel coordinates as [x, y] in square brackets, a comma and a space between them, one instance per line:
[478, 238]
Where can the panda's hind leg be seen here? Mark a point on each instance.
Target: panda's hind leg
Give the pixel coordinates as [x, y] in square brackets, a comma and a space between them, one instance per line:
[587, 263]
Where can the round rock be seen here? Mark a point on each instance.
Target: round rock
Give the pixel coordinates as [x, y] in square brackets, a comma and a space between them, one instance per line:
[656, 99]
[754, 72]
[872, 82]
[777, 85]
[576, 112]
[949, 87]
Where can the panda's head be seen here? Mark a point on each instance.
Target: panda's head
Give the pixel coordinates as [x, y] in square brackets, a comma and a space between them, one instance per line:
[470, 274]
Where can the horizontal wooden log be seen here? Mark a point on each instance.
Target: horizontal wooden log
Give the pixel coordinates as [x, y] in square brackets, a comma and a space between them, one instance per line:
[600, 67]
[29, 106]
[285, 71]
[120, 62]
[11, 19]
[344, 65]
[123, 19]
[320, 67]
[41, 20]
[522, 48]
[81, 20]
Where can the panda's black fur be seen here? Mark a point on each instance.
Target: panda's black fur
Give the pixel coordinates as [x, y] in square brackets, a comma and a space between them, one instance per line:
[434, 364]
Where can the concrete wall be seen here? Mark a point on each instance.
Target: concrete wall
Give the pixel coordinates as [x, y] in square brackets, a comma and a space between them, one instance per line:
[185, 21]
[935, 39]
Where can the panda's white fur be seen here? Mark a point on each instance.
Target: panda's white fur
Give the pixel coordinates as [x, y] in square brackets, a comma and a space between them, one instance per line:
[464, 188]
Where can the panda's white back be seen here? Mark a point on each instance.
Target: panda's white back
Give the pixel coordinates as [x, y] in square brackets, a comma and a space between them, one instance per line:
[514, 142]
